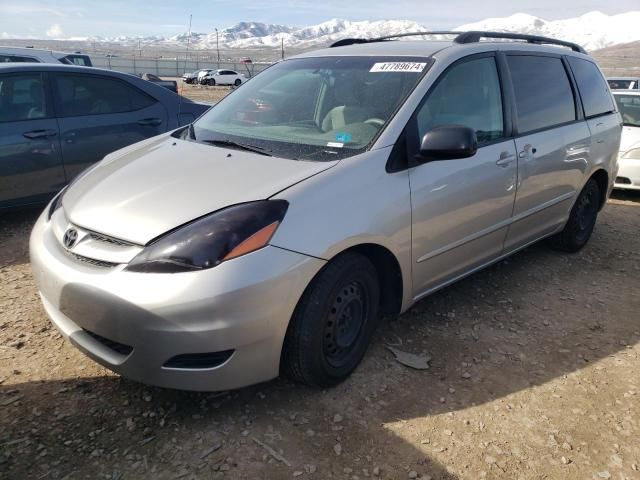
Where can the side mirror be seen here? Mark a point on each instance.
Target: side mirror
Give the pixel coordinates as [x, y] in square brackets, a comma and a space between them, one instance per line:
[448, 142]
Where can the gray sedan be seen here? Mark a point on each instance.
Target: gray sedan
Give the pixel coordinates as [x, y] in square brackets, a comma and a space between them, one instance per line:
[56, 120]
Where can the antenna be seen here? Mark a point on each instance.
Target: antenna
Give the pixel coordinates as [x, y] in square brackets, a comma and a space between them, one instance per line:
[186, 59]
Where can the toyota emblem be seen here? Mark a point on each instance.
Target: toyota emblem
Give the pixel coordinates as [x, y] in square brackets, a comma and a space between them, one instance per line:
[70, 237]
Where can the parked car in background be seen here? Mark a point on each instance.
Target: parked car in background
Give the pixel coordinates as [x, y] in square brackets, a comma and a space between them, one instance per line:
[190, 78]
[624, 83]
[202, 73]
[223, 77]
[628, 177]
[168, 84]
[33, 55]
[56, 120]
[232, 250]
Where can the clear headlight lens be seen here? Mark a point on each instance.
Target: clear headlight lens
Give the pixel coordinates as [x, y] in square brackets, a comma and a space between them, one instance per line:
[210, 240]
[633, 154]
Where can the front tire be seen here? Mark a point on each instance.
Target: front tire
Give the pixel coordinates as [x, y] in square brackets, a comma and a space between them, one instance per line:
[212, 82]
[238, 82]
[582, 220]
[333, 322]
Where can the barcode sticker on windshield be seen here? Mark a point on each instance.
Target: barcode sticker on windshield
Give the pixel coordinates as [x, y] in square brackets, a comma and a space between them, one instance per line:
[398, 67]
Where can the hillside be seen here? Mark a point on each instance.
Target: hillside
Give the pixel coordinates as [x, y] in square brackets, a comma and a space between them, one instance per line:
[620, 60]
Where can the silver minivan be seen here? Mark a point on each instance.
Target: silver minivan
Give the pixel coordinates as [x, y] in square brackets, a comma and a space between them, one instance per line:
[270, 235]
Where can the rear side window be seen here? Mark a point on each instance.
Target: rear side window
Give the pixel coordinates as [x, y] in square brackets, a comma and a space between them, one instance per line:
[22, 97]
[80, 95]
[81, 60]
[615, 84]
[467, 94]
[16, 59]
[544, 97]
[594, 90]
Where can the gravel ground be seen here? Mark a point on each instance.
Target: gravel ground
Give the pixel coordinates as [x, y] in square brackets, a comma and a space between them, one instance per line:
[202, 93]
[534, 374]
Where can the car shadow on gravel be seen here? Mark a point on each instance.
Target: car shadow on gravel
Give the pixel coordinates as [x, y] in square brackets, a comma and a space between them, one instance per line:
[522, 323]
[14, 238]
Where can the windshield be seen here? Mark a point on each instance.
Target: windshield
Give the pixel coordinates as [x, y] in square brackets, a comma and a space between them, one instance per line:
[629, 108]
[313, 108]
[621, 84]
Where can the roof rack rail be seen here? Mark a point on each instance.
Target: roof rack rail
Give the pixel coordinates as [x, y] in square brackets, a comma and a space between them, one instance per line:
[467, 37]
[475, 36]
[353, 41]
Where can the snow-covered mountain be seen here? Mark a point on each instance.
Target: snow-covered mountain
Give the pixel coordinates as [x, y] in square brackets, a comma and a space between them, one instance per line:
[593, 30]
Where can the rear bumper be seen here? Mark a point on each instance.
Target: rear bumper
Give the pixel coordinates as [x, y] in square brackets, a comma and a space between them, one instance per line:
[628, 176]
[135, 323]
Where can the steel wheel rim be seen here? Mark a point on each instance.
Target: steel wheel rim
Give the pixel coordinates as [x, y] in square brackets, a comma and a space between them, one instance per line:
[344, 323]
[585, 215]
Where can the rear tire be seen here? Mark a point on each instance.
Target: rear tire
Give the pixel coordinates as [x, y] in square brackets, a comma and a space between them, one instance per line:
[582, 220]
[333, 322]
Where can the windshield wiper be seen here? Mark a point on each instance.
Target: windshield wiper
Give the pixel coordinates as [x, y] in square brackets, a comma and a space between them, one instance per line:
[240, 146]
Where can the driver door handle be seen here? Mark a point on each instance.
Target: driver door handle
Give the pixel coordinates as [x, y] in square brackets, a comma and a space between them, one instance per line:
[150, 122]
[39, 134]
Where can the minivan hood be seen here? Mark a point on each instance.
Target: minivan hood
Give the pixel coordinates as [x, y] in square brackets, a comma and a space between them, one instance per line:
[137, 194]
[630, 138]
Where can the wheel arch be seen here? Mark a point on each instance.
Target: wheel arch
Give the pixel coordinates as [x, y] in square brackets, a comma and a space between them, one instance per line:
[389, 275]
[602, 179]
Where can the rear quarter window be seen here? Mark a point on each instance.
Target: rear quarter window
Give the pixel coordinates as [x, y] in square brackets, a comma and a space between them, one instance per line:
[594, 91]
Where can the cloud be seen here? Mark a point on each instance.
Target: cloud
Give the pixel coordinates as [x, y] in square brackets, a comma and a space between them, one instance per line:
[28, 9]
[55, 31]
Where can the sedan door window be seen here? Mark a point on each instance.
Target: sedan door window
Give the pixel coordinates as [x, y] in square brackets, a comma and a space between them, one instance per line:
[79, 95]
[22, 97]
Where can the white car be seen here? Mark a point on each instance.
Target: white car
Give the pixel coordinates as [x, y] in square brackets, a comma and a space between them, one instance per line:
[33, 55]
[223, 77]
[629, 159]
[201, 73]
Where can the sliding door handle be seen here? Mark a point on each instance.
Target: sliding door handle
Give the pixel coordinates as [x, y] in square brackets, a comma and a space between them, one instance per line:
[505, 159]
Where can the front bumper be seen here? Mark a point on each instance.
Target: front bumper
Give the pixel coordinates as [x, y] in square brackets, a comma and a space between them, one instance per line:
[243, 305]
[628, 177]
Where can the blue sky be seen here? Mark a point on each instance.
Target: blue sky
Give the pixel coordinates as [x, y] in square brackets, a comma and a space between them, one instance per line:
[68, 18]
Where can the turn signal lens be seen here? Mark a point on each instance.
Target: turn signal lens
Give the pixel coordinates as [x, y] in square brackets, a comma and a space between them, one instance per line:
[254, 242]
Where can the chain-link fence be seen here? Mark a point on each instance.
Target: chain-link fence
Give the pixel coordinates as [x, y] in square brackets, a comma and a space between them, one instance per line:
[171, 67]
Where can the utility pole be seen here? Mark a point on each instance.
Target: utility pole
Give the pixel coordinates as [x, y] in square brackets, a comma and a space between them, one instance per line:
[188, 39]
[218, 47]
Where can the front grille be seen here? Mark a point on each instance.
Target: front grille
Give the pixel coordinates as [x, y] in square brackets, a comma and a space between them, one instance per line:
[623, 180]
[92, 261]
[114, 241]
[120, 348]
[199, 361]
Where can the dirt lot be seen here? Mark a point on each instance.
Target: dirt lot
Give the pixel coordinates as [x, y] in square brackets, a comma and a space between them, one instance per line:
[535, 374]
[202, 93]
